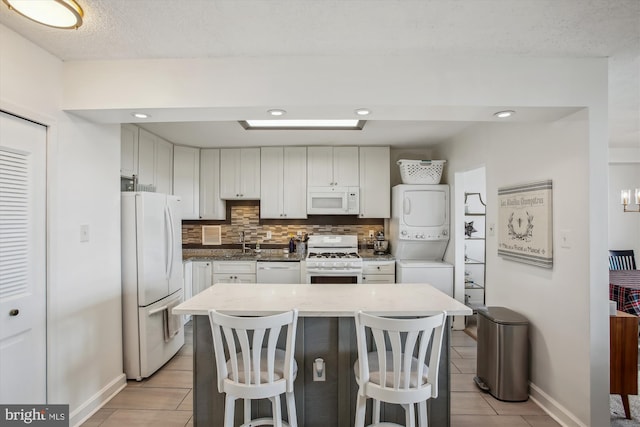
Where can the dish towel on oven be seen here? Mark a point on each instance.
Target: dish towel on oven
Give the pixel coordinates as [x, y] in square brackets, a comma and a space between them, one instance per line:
[172, 322]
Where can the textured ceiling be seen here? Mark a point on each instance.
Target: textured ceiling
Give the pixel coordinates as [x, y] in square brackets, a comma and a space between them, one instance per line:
[124, 29]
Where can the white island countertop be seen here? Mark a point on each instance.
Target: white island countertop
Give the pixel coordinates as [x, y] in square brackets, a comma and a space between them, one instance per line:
[323, 300]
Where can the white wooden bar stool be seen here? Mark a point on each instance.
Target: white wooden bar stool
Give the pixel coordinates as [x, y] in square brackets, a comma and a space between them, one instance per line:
[255, 369]
[401, 368]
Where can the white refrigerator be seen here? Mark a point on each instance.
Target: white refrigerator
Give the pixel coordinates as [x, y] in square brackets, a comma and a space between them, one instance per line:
[152, 282]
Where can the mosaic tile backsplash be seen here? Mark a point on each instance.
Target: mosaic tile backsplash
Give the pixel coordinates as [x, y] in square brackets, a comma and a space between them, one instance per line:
[246, 218]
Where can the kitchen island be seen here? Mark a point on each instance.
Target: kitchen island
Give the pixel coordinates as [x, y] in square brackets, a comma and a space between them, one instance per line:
[325, 330]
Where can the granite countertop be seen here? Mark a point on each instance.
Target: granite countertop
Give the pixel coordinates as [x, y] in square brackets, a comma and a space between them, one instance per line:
[237, 255]
[264, 255]
[326, 300]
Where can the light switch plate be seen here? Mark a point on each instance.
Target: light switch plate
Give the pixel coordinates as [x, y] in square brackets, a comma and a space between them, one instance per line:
[84, 233]
[491, 229]
[565, 239]
[268, 234]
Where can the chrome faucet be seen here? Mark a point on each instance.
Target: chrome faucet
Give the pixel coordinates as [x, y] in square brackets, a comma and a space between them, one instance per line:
[245, 249]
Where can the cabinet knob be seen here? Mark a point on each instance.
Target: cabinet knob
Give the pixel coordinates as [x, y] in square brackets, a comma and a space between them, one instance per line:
[14, 312]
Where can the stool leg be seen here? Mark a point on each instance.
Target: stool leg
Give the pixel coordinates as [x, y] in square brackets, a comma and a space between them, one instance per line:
[423, 421]
[376, 411]
[625, 405]
[291, 409]
[361, 408]
[277, 411]
[247, 410]
[410, 415]
[229, 410]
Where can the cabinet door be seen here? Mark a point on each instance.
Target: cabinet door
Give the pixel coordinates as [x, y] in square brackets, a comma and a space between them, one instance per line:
[250, 173]
[146, 158]
[128, 150]
[271, 182]
[211, 205]
[294, 197]
[164, 166]
[319, 166]
[201, 276]
[187, 279]
[345, 166]
[229, 173]
[186, 180]
[375, 182]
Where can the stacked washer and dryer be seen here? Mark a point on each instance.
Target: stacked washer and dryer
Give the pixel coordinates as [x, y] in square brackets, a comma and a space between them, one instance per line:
[419, 234]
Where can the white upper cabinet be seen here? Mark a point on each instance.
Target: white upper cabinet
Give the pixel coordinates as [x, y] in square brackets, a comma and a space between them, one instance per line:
[186, 179]
[128, 150]
[375, 182]
[332, 166]
[240, 173]
[155, 162]
[283, 182]
[211, 205]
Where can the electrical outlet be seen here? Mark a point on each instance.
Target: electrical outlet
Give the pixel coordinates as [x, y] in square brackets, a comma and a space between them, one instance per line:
[268, 234]
[371, 233]
[299, 233]
[492, 229]
[319, 370]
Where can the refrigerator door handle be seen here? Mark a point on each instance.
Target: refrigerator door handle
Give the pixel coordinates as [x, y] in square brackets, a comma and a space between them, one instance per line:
[167, 244]
[171, 241]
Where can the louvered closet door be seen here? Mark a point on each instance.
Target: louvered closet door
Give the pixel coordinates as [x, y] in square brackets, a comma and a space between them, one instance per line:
[22, 261]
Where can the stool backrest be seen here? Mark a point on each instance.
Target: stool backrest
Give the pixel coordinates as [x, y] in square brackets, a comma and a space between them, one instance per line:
[622, 260]
[248, 342]
[396, 342]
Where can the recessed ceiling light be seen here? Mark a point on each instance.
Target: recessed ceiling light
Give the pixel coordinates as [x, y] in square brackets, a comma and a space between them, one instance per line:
[140, 115]
[504, 114]
[363, 111]
[65, 14]
[276, 112]
[303, 124]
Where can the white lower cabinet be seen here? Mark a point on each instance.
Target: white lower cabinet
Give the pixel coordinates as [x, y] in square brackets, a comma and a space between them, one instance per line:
[378, 271]
[201, 276]
[234, 272]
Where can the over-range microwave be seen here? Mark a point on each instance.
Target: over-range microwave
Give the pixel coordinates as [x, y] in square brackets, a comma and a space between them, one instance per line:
[333, 200]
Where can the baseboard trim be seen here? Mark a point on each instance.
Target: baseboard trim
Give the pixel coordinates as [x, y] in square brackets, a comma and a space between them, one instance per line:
[554, 409]
[97, 401]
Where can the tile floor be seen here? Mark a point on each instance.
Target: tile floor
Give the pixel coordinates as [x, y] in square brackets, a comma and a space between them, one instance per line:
[165, 399]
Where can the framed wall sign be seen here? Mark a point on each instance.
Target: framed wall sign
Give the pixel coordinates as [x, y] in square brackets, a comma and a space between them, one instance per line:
[525, 229]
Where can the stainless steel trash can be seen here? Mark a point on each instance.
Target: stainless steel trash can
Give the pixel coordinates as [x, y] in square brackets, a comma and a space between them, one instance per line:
[503, 354]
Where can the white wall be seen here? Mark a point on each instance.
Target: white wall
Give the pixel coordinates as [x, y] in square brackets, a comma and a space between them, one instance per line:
[555, 301]
[624, 228]
[83, 290]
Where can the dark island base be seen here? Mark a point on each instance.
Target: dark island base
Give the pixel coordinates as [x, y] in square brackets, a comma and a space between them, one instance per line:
[318, 404]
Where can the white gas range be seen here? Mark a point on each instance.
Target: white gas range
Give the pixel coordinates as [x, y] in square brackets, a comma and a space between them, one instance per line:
[333, 259]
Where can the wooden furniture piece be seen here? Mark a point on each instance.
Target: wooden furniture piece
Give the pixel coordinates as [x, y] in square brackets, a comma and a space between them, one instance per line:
[623, 335]
[325, 330]
[398, 369]
[255, 370]
[622, 260]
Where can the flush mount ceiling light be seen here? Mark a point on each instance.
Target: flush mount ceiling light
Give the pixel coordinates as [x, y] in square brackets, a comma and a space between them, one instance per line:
[65, 14]
[140, 115]
[362, 111]
[504, 114]
[276, 112]
[302, 124]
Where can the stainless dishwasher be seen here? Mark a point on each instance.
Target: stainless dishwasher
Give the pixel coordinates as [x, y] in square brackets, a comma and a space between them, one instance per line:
[278, 272]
